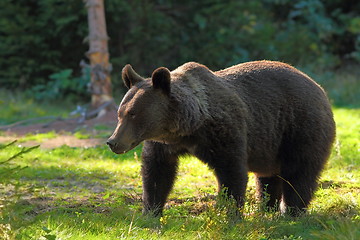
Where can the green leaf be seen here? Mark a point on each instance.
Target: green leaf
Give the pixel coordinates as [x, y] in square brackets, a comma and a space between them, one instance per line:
[46, 229]
[50, 237]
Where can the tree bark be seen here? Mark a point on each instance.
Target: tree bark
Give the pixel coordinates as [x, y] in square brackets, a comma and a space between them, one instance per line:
[98, 54]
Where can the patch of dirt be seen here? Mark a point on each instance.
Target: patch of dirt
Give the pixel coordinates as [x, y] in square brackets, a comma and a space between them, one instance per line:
[63, 127]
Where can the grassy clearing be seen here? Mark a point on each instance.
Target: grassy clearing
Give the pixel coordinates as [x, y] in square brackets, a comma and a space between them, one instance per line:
[74, 193]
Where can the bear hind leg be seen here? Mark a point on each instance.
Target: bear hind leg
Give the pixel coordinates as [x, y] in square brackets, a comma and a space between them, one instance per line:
[297, 193]
[303, 155]
[302, 162]
[300, 181]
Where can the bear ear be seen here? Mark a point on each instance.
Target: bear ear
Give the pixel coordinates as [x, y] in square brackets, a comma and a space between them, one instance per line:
[130, 77]
[161, 79]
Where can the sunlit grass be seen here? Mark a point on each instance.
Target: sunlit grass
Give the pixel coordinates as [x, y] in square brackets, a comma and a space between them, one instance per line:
[343, 169]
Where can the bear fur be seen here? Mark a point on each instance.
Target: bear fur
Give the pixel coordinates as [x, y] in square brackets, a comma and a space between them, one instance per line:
[265, 117]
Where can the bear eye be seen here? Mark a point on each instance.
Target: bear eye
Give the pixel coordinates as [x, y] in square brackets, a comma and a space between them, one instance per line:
[131, 114]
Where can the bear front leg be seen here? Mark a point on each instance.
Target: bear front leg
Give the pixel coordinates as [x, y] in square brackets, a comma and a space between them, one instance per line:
[159, 169]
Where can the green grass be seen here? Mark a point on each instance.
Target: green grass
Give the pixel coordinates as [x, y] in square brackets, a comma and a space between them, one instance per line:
[76, 193]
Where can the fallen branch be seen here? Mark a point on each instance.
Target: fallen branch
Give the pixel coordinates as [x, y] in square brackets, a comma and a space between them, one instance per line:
[23, 122]
[84, 115]
[94, 113]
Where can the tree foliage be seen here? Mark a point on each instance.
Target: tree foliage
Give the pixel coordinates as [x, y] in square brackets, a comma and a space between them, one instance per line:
[39, 38]
[43, 37]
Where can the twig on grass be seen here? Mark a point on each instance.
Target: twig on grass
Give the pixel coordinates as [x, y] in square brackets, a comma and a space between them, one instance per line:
[22, 151]
[131, 223]
[297, 193]
[85, 114]
[22, 122]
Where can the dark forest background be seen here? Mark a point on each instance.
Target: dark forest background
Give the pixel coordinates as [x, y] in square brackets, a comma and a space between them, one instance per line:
[43, 41]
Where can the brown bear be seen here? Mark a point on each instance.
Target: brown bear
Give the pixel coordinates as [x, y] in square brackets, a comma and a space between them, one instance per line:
[263, 116]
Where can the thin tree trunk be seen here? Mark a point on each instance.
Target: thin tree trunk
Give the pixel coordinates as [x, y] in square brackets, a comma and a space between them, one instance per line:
[101, 91]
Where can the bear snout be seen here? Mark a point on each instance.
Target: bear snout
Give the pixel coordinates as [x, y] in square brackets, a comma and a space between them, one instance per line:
[111, 143]
[114, 146]
[119, 148]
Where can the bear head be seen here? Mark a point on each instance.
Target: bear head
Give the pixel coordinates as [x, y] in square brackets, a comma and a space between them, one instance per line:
[143, 112]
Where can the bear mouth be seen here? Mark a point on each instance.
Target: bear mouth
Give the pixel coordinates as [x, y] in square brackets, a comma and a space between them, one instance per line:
[120, 150]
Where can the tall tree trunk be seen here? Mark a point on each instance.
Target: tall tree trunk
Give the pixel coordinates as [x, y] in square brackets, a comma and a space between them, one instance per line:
[99, 55]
